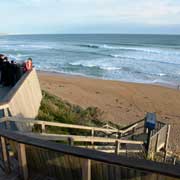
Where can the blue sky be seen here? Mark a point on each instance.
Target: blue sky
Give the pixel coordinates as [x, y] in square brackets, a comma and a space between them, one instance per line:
[90, 16]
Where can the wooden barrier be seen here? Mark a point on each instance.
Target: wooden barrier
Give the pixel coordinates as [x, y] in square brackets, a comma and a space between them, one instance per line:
[71, 139]
[159, 140]
[66, 162]
[44, 124]
[5, 155]
[62, 137]
[22, 161]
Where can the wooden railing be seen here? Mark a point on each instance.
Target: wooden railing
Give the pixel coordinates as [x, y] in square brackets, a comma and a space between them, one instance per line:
[45, 124]
[66, 162]
[105, 144]
[159, 140]
[4, 108]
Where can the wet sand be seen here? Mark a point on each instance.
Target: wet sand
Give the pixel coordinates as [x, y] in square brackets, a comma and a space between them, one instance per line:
[121, 102]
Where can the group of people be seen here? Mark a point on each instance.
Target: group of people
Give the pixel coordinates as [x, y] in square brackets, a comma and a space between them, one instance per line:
[11, 72]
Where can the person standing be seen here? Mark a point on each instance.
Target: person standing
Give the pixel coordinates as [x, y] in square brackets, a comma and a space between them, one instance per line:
[1, 66]
[13, 73]
[28, 64]
[7, 72]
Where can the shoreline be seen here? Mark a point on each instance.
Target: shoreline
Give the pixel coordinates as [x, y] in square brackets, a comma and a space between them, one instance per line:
[166, 85]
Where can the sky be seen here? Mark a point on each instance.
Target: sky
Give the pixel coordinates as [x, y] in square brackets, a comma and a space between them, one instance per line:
[90, 16]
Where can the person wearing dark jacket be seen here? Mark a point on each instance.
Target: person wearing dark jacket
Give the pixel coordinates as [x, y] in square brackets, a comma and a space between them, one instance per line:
[1, 65]
[6, 72]
[13, 73]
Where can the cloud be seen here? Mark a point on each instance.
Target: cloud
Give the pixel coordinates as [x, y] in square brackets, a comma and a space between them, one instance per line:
[71, 13]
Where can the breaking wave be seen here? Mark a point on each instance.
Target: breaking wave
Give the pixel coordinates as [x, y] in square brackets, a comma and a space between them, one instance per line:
[129, 48]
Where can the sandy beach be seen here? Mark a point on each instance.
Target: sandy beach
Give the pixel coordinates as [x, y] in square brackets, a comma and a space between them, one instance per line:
[121, 102]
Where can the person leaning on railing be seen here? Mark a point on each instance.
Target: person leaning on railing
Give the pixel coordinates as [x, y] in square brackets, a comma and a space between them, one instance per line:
[11, 72]
[28, 65]
[4, 70]
[1, 64]
[3, 58]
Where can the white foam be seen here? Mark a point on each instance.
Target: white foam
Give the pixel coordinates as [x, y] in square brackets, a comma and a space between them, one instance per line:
[162, 74]
[110, 68]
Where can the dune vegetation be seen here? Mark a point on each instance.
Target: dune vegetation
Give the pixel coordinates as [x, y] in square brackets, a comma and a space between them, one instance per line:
[55, 109]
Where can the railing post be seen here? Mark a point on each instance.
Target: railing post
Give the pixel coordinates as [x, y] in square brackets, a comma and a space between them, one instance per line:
[119, 135]
[133, 133]
[6, 113]
[92, 134]
[167, 141]
[7, 124]
[117, 146]
[157, 142]
[43, 128]
[149, 149]
[70, 141]
[22, 161]
[174, 160]
[86, 169]
[5, 155]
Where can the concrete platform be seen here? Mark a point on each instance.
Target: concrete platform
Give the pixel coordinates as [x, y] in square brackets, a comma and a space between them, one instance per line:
[23, 99]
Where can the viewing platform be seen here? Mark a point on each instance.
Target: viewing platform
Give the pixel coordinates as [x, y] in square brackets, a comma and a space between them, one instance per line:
[23, 99]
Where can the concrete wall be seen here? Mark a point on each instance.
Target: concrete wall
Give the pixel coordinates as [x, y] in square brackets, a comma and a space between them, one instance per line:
[25, 97]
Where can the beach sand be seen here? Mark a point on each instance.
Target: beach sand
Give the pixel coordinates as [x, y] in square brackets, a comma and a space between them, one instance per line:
[121, 102]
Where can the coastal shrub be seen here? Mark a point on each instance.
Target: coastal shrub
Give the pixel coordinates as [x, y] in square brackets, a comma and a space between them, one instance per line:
[57, 110]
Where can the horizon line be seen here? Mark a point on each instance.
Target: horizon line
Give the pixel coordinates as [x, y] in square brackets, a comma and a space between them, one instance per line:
[8, 34]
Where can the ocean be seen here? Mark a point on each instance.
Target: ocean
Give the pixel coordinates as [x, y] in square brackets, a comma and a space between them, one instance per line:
[132, 58]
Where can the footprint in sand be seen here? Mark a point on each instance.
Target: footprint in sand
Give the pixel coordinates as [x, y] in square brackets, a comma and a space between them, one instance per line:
[119, 107]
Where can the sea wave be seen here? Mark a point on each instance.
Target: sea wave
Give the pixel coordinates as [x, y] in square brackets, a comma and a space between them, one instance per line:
[106, 67]
[25, 47]
[127, 57]
[34, 46]
[89, 46]
[131, 48]
[95, 65]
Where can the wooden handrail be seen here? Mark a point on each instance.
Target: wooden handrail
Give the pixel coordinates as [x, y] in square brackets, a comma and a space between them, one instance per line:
[71, 126]
[62, 137]
[139, 164]
[131, 125]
